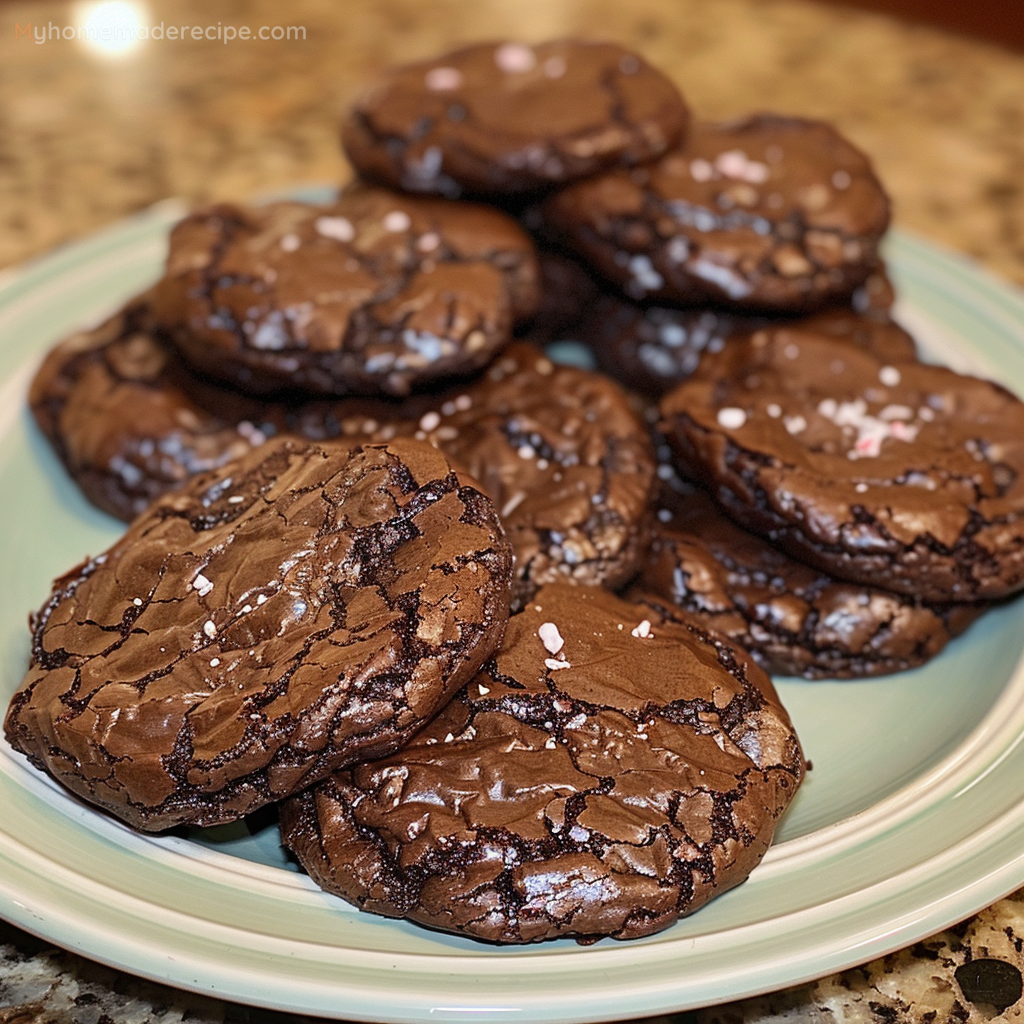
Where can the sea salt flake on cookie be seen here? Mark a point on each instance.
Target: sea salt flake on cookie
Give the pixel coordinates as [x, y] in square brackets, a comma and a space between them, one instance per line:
[732, 417]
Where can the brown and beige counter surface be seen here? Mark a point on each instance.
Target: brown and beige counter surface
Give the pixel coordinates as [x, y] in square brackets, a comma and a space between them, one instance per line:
[86, 139]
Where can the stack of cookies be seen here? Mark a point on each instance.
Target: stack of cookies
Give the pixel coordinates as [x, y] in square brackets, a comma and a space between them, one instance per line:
[493, 631]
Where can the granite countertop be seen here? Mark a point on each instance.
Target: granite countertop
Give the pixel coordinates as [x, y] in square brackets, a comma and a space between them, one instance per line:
[86, 140]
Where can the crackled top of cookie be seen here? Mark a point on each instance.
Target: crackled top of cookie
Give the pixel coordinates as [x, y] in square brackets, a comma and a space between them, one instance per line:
[794, 619]
[605, 773]
[506, 117]
[904, 475]
[300, 610]
[768, 212]
[377, 293]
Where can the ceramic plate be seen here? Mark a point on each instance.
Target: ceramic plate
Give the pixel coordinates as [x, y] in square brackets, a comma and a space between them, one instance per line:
[911, 819]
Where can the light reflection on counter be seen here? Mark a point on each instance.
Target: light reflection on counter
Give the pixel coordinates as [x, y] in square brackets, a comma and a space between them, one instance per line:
[111, 28]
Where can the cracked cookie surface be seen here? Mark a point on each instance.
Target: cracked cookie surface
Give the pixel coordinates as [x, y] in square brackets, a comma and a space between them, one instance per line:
[771, 212]
[377, 293]
[901, 475]
[793, 619]
[497, 119]
[602, 775]
[308, 607]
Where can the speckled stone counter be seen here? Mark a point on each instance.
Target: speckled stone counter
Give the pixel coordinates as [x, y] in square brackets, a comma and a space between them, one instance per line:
[86, 140]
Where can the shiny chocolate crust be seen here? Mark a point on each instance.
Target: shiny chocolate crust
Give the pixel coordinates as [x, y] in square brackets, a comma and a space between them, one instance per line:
[899, 475]
[652, 348]
[770, 212]
[793, 619]
[604, 774]
[303, 609]
[498, 119]
[377, 293]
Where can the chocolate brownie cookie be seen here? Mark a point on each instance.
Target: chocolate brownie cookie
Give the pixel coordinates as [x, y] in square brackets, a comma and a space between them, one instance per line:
[306, 608]
[770, 212]
[379, 293]
[653, 348]
[899, 475]
[499, 119]
[604, 774]
[793, 619]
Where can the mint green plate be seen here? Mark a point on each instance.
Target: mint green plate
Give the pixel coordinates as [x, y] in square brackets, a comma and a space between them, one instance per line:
[911, 819]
